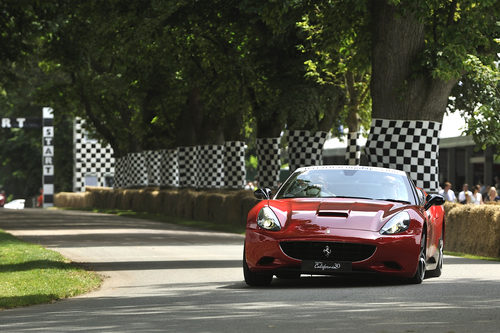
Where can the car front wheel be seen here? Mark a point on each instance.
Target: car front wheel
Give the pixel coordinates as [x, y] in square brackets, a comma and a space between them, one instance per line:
[255, 279]
[421, 264]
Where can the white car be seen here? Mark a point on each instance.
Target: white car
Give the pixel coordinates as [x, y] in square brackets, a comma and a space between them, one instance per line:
[15, 204]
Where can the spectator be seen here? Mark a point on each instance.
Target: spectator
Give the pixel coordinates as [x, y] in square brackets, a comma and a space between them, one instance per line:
[492, 195]
[482, 188]
[39, 199]
[2, 198]
[477, 198]
[465, 196]
[448, 193]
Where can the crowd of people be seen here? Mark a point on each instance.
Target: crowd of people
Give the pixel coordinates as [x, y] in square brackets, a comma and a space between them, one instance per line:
[479, 194]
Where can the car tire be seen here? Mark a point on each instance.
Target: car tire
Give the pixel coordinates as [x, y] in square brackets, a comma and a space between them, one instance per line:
[421, 263]
[255, 279]
[437, 271]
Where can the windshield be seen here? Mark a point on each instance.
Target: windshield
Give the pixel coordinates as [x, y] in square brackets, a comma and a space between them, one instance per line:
[330, 183]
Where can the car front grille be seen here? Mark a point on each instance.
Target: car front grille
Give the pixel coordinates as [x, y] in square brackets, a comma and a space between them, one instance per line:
[327, 250]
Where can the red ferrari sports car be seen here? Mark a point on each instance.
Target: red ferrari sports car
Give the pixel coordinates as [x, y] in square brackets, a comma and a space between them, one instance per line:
[331, 220]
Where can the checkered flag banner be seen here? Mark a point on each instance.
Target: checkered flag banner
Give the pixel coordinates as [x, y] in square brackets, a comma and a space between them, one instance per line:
[269, 163]
[234, 165]
[137, 172]
[153, 167]
[408, 145]
[90, 158]
[305, 149]
[121, 172]
[210, 166]
[353, 152]
[187, 158]
[169, 168]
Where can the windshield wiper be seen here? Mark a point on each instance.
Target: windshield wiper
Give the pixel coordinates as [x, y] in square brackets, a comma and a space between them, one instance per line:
[348, 197]
[395, 200]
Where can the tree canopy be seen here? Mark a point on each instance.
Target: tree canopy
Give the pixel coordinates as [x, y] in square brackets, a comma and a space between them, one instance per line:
[160, 74]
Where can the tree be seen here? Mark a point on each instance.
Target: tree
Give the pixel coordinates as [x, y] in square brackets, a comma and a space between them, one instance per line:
[24, 25]
[477, 97]
[419, 53]
[338, 57]
[421, 50]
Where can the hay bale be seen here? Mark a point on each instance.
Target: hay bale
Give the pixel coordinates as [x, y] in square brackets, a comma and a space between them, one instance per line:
[233, 209]
[186, 203]
[216, 210]
[474, 229]
[72, 200]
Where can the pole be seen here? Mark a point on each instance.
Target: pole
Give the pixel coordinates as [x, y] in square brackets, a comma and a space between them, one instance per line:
[48, 157]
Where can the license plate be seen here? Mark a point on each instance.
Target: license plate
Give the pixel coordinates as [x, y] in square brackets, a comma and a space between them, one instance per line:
[325, 267]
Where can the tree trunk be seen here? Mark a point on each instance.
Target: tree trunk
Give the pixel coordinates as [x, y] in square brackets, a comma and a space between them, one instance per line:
[233, 125]
[268, 168]
[305, 148]
[190, 120]
[353, 150]
[98, 125]
[332, 113]
[400, 87]
[211, 130]
[234, 165]
[408, 103]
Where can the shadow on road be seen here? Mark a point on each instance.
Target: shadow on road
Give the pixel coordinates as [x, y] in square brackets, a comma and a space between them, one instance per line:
[294, 306]
[168, 264]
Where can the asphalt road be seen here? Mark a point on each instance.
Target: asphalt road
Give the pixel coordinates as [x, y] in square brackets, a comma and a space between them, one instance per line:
[165, 278]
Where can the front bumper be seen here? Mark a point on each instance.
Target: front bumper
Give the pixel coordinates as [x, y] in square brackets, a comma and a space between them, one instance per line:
[395, 254]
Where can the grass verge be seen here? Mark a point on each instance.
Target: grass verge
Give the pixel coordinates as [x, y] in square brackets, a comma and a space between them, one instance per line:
[470, 256]
[31, 274]
[234, 229]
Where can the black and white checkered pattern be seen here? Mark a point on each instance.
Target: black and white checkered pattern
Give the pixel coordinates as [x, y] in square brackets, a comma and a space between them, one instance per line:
[169, 168]
[353, 152]
[269, 163]
[234, 165]
[153, 165]
[210, 167]
[121, 172]
[90, 158]
[187, 158]
[305, 149]
[408, 145]
[137, 171]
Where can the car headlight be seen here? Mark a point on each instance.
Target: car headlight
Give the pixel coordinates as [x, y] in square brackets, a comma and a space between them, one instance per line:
[268, 220]
[398, 223]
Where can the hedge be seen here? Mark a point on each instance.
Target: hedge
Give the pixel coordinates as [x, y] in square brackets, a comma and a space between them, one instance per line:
[472, 229]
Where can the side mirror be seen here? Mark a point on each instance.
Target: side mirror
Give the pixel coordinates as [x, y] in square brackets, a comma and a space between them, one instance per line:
[262, 194]
[421, 195]
[433, 200]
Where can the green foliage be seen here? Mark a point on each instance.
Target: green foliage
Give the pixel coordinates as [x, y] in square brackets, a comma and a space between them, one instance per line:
[338, 56]
[457, 30]
[477, 97]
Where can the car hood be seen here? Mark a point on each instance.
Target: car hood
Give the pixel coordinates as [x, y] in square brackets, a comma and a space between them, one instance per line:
[313, 215]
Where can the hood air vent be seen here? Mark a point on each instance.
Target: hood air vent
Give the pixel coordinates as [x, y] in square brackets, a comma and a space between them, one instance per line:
[331, 213]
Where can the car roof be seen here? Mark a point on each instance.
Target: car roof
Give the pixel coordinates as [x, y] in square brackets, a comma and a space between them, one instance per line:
[353, 167]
